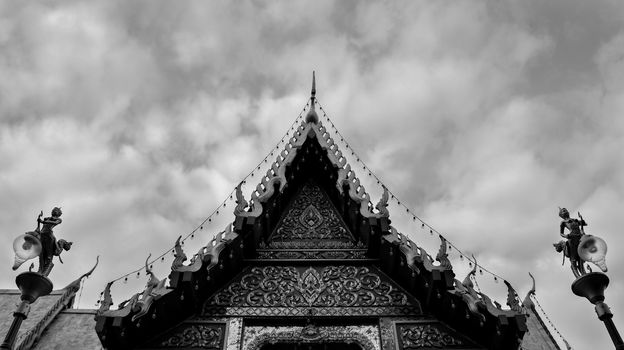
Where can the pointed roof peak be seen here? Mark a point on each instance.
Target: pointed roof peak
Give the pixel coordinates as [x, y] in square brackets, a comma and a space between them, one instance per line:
[312, 117]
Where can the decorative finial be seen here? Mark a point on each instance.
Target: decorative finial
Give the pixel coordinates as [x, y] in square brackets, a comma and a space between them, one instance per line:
[312, 117]
[179, 255]
[75, 285]
[512, 298]
[467, 281]
[313, 85]
[527, 302]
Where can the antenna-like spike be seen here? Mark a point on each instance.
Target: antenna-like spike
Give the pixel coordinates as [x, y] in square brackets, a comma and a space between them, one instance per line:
[313, 85]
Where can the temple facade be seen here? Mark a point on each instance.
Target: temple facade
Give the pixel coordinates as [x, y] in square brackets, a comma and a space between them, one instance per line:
[308, 263]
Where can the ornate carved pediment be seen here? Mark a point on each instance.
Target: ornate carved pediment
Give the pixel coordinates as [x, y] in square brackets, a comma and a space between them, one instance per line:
[312, 291]
[192, 335]
[311, 222]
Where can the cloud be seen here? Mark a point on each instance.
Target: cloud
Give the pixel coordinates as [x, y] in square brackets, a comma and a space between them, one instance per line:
[482, 117]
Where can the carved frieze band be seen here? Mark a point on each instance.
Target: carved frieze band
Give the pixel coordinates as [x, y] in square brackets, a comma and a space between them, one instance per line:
[312, 254]
[312, 244]
[193, 336]
[426, 336]
[294, 291]
[310, 311]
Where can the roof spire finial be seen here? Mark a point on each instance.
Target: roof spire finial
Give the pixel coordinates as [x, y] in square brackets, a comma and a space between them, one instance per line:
[313, 85]
[312, 117]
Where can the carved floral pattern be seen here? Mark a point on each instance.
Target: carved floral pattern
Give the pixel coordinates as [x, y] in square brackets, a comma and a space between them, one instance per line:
[286, 290]
[311, 218]
[312, 254]
[418, 336]
[326, 244]
[204, 336]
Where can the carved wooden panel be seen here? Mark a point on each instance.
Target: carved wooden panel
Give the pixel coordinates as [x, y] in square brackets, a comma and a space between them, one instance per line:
[342, 290]
[311, 222]
[429, 336]
[191, 336]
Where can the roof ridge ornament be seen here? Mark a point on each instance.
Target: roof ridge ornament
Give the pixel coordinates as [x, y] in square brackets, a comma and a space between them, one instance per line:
[75, 285]
[527, 302]
[312, 117]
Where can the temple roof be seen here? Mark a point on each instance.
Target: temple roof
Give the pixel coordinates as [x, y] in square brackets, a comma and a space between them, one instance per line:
[311, 161]
[539, 336]
[48, 315]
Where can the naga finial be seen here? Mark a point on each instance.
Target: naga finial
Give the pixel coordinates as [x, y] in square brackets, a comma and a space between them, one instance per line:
[153, 290]
[442, 255]
[241, 202]
[147, 269]
[512, 298]
[382, 205]
[467, 281]
[76, 283]
[107, 299]
[312, 117]
[179, 256]
[527, 302]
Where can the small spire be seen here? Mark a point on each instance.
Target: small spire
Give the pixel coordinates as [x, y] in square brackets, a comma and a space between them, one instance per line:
[312, 117]
[313, 86]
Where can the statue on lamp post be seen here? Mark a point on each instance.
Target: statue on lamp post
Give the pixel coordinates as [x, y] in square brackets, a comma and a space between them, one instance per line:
[581, 248]
[38, 243]
[41, 243]
[573, 238]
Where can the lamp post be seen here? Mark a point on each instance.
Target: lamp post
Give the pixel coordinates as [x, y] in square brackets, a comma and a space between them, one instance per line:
[592, 286]
[582, 248]
[32, 285]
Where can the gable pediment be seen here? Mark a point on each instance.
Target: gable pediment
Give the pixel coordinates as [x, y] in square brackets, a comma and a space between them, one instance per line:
[311, 221]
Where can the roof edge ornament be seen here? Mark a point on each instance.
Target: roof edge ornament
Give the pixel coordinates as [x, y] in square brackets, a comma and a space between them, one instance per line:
[179, 256]
[75, 285]
[527, 302]
[312, 117]
[512, 299]
[154, 289]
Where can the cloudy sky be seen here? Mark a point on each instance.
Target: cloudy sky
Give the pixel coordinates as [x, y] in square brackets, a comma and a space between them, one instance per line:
[138, 118]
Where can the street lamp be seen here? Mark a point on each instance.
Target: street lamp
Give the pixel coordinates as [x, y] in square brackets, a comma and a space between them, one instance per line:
[582, 248]
[32, 285]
